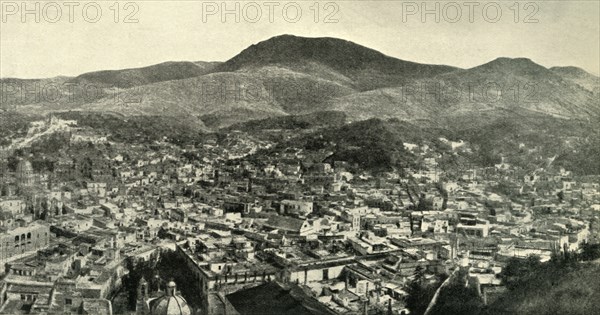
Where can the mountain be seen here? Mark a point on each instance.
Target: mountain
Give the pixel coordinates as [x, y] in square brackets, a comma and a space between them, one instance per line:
[502, 85]
[75, 93]
[334, 59]
[290, 75]
[127, 78]
[518, 84]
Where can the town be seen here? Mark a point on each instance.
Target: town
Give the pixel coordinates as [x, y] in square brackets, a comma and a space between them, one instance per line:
[91, 225]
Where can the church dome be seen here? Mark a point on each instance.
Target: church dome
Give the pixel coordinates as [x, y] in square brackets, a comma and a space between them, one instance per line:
[25, 175]
[170, 304]
[24, 167]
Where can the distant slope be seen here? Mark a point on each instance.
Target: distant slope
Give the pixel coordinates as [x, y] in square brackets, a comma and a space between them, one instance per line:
[579, 76]
[225, 98]
[520, 83]
[384, 103]
[127, 78]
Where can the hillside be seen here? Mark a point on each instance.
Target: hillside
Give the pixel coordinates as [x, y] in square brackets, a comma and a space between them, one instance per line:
[127, 78]
[313, 120]
[542, 289]
[13, 125]
[579, 76]
[136, 129]
[501, 85]
[224, 98]
[374, 145]
[552, 289]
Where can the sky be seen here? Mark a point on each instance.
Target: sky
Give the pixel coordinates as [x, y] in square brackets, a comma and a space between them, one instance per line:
[73, 39]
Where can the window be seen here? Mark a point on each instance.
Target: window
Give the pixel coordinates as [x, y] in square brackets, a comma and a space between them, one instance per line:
[68, 302]
[29, 235]
[17, 238]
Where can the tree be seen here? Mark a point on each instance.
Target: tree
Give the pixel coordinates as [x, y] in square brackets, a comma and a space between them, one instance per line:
[518, 270]
[419, 292]
[561, 196]
[455, 298]
[589, 251]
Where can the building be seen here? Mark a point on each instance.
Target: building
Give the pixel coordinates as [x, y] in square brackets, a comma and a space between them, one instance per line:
[22, 241]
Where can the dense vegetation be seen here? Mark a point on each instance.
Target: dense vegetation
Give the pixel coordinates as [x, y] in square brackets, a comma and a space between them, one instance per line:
[319, 119]
[136, 129]
[561, 286]
[420, 291]
[456, 299]
[568, 284]
[12, 125]
[526, 141]
[522, 138]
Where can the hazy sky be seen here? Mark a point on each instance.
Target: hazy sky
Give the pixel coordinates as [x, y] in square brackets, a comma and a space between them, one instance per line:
[566, 33]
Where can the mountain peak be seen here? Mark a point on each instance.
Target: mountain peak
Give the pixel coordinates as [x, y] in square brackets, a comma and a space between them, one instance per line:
[519, 66]
[288, 48]
[519, 61]
[328, 54]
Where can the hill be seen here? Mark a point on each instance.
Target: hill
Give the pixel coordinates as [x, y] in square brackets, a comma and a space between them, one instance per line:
[224, 98]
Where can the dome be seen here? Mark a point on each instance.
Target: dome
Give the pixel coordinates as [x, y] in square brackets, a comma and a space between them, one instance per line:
[170, 304]
[25, 175]
[24, 167]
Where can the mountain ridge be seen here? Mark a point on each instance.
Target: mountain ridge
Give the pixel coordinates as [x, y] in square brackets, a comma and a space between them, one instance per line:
[292, 75]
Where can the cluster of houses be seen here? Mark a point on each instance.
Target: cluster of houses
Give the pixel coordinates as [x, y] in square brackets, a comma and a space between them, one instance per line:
[332, 240]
